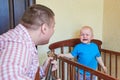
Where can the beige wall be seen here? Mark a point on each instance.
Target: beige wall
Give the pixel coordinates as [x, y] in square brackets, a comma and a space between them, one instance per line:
[70, 15]
[111, 25]
[102, 15]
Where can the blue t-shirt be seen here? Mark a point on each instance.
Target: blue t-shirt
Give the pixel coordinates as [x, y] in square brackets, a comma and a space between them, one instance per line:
[86, 54]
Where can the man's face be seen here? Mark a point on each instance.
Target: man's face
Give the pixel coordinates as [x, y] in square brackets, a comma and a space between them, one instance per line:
[48, 32]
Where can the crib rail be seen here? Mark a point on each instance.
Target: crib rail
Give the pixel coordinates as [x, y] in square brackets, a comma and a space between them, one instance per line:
[67, 71]
[112, 61]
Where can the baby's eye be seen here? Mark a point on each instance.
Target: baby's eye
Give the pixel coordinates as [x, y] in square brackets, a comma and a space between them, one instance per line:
[82, 35]
[87, 34]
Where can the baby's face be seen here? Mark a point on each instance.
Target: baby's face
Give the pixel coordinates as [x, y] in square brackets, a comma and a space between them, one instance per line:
[86, 35]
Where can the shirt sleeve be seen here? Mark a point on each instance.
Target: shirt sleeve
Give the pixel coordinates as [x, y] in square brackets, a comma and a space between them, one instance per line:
[42, 73]
[75, 51]
[12, 73]
[98, 52]
[11, 61]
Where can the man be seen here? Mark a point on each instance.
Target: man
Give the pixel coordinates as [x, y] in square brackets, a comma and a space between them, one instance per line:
[18, 54]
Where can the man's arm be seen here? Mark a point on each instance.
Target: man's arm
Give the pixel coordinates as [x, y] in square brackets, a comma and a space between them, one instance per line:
[9, 72]
[12, 56]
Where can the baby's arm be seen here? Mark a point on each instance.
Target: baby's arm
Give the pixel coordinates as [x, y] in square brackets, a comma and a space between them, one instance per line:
[99, 59]
[68, 55]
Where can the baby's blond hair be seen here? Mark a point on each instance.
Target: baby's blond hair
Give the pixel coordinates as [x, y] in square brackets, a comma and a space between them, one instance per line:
[87, 27]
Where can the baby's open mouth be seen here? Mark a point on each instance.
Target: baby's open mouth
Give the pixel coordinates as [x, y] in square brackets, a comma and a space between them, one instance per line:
[85, 39]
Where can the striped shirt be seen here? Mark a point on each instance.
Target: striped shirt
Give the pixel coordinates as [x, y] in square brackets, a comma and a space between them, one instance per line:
[18, 55]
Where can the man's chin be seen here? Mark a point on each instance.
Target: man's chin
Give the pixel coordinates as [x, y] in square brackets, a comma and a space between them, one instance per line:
[43, 43]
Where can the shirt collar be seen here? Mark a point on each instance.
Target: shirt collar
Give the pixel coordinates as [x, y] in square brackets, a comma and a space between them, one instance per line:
[23, 32]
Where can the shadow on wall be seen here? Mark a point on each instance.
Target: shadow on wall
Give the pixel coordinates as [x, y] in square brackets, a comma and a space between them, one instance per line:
[76, 34]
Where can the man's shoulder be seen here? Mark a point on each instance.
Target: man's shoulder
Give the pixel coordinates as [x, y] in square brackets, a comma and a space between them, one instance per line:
[11, 36]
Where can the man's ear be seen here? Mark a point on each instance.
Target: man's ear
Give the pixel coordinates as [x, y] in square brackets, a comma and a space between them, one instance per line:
[44, 28]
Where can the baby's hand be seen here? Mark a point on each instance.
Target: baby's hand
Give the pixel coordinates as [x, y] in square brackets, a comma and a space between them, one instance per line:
[105, 69]
[60, 55]
[58, 79]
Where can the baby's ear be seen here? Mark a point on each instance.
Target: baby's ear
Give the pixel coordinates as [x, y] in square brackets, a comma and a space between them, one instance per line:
[92, 37]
